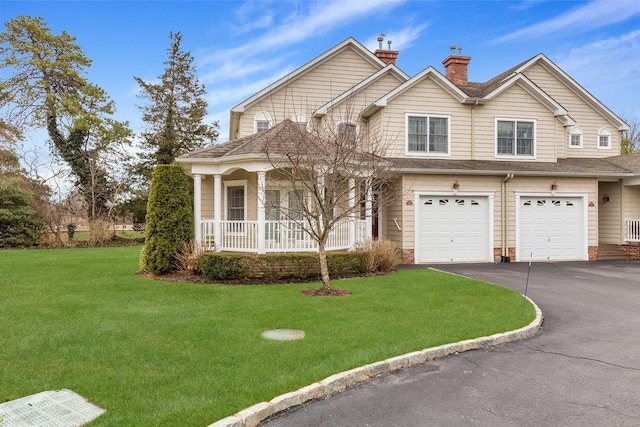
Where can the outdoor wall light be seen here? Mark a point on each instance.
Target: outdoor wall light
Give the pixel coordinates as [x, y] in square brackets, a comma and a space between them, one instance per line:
[554, 186]
[456, 185]
[605, 199]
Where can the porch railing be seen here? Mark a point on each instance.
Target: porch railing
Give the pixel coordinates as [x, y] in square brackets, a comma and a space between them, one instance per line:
[279, 236]
[632, 230]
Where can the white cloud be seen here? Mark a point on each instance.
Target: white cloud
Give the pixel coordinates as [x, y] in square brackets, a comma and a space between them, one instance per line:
[608, 59]
[609, 68]
[593, 15]
[233, 69]
[252, 15]
[402, 39]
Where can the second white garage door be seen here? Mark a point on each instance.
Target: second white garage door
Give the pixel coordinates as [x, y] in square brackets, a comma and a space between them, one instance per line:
[453, 229]
[551, 228]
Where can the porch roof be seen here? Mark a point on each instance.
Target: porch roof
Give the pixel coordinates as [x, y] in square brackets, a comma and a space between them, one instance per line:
[279, 139]
[619, 167]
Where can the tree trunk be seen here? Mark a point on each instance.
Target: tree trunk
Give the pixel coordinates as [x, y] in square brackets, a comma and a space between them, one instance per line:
[324, 268]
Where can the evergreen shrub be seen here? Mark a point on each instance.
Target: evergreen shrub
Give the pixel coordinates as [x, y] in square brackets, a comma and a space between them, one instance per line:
[169, 220]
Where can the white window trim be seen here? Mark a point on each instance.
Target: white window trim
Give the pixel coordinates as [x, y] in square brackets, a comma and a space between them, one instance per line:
[603, 132]
[515, 157]
[576, 131]
[234, 183]
[262, 116]
[299, 119]
[427, 153]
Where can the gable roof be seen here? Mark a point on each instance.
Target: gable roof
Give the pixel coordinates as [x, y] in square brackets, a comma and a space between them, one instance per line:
[389, 69]
[255, 144]
[479, 96]
[428, 72]
[349, 43]
[485, 89]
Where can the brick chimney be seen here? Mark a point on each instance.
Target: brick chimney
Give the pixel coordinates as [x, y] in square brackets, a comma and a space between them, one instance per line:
[387, 56]
[456, 67]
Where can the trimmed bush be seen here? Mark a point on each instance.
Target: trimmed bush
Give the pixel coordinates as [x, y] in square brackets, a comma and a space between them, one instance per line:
[227, 266]
[169, 221]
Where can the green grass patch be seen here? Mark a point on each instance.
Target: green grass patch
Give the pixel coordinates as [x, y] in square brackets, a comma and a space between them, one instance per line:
[174, 354]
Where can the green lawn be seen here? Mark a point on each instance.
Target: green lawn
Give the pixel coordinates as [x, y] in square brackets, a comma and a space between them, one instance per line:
[172, 354]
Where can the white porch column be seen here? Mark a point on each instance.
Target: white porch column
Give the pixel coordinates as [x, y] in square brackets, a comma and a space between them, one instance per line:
[217, 210]
[261, 212]
[369, 210]
[197, 208]
[352, 213]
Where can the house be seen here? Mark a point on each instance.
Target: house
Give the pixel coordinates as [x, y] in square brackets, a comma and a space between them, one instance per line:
[525, 166]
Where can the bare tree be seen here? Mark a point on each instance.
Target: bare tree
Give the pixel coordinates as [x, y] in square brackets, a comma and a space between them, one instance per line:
[630, 142]
[331, 171]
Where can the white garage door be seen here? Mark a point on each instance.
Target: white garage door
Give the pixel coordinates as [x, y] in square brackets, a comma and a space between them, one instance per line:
[551, 228]
[453, 229]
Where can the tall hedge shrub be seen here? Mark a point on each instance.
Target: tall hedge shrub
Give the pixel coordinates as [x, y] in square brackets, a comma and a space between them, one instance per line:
[169, 221]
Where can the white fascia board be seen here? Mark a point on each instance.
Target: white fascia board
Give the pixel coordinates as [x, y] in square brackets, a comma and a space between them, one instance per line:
[574, 86]
[389, 69]
[428, 72]
[532, 89]
[420, 171]
[631, 181]
[363, 51]
[392, 69]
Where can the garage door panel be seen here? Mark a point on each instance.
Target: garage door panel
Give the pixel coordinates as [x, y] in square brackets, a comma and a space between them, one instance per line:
[551, 228]
[452, 229]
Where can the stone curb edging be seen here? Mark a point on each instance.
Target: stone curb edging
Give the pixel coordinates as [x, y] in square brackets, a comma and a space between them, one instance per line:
[337, 383]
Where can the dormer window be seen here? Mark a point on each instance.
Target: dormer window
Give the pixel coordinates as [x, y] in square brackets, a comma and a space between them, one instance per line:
[261, 122]
[604, 139]
[575, 138]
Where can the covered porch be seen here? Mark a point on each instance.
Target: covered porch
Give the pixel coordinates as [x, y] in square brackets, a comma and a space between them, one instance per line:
[246, 198]
[255, 214]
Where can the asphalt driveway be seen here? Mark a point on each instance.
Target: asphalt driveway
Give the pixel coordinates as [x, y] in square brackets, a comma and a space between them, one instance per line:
[581, 369]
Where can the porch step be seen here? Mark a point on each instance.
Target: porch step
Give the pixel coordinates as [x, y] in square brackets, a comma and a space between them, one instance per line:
[611, 252]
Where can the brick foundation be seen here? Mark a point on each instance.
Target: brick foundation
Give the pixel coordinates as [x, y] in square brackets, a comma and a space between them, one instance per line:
[632, 251]
[408, 256]
[593, 253]
[497, 254]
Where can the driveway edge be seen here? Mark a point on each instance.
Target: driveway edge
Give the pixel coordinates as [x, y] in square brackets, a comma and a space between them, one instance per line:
[337, 383]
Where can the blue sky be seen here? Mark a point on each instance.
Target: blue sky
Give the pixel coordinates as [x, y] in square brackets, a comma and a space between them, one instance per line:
[242, 46]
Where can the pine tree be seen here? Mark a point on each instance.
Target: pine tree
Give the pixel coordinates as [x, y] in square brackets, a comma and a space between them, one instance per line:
[175, 110]
[46, 88]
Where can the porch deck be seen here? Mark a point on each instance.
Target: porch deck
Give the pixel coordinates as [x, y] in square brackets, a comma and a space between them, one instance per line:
[279, 236]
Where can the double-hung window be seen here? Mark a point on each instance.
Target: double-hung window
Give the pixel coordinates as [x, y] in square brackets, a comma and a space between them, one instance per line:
[235, 206]
[427, 134]
[515, 137]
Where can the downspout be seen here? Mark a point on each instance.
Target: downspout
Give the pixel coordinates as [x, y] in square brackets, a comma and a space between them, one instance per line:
[505, 226]
[473, 131]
